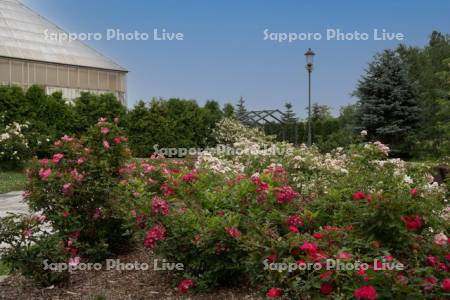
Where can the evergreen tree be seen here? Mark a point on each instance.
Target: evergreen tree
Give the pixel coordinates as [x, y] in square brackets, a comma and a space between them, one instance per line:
[289, 115]
[241, 110]
[320, 112]
[228, 110]
[388, 100]
[289, 124]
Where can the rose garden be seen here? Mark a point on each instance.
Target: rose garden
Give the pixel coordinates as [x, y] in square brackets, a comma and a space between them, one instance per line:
[365, 220]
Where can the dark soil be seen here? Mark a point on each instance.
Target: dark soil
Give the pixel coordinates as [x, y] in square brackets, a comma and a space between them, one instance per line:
[112, 284]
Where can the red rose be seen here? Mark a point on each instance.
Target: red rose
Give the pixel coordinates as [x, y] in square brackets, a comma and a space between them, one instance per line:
[366, 292]
[317, 236]
[326, 288]
[412, 222]
[432, 260]
[413, 192]
[184, 285]
[274, 293]
[293, 229]
[358, 195]
[446, 284]
[272, 258]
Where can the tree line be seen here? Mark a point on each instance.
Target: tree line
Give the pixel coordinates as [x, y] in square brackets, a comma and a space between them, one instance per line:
[403, 100]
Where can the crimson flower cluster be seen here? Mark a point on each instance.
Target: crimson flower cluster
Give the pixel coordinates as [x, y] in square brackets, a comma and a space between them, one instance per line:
[153, 235]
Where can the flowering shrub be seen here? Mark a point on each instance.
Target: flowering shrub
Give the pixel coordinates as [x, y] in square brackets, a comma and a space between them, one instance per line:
[30, 245]
[14, 148]
[77, 190]
[240, 218]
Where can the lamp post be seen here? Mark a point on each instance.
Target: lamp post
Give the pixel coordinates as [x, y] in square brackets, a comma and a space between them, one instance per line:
[309, 66]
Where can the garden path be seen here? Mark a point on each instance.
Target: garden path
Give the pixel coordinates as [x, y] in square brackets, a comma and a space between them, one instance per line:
[12, 202]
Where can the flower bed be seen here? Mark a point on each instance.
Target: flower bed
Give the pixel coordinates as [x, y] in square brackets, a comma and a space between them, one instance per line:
[287, 220]
[347, 224]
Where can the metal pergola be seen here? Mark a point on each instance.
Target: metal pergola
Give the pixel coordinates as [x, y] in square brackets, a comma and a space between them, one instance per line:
[265, 118]
[262, 117]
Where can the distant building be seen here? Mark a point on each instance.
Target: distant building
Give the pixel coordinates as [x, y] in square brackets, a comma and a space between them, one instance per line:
[28, 56]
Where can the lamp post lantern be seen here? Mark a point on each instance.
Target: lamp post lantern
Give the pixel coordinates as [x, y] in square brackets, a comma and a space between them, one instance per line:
[309, 66]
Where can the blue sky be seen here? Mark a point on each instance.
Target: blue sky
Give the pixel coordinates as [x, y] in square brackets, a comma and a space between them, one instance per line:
[224, 55]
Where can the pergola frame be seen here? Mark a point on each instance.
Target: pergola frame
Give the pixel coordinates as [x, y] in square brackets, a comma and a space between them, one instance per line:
[261, 117]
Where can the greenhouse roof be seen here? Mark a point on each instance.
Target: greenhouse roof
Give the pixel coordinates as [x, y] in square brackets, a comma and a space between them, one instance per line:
[24, 34]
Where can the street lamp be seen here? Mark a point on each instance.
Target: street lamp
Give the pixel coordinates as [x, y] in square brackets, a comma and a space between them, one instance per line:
[309, 66]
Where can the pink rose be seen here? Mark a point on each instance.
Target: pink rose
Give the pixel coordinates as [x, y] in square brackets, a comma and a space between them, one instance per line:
[67, 188]
[45, 173]
[26, 233]
[440, 239]
[233, 232]
[57, 157]
[311, 248]
[67, 138]
[104, 130]
[344, 256]
[74, 261]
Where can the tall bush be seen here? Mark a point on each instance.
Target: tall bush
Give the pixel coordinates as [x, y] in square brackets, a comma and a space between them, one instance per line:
[77, 192]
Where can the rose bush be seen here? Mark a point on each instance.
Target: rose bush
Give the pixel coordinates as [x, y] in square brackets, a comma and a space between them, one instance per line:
[77, 191]
[246, 218]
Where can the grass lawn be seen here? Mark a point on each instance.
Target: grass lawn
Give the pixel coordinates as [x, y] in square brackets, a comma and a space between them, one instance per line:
[12, 181]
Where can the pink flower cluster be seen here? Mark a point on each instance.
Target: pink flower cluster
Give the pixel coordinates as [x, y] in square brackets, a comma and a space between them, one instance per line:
[233, 232]
[45, 173]
[190, 177]
[311, 248]
[153, 235]
[285, 194]
[294, 222]
[159, 206]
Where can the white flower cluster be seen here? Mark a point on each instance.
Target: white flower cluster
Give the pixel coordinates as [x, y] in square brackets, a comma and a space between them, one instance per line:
[206, 160]
[13, 142]
[379, 146]
[229, 131]
[445, 214]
